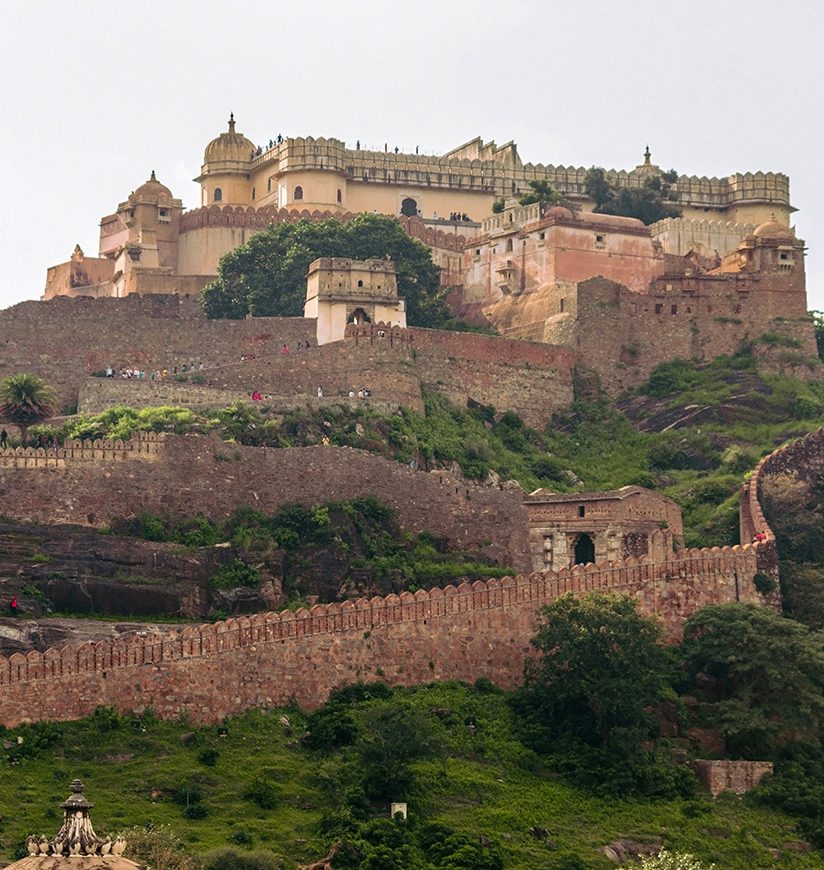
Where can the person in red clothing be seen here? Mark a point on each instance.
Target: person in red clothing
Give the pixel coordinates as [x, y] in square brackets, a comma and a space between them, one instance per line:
[13, 606]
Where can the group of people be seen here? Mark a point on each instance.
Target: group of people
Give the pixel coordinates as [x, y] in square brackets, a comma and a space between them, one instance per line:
[459, 216]
[127, 373]
[45, 442]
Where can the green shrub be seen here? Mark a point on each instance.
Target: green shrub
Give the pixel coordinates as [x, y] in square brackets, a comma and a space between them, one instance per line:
[669, 377]
[195, 811]
[331, 727]
[262, 792]
[764, 583]
[208, 757]
[234, 575]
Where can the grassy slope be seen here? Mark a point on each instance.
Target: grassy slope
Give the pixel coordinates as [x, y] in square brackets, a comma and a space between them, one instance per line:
[483, 784]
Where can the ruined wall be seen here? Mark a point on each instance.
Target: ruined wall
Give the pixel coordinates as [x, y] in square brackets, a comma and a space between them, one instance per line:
[803, 457]
[739, 777]
[195, 474]
[212, 671]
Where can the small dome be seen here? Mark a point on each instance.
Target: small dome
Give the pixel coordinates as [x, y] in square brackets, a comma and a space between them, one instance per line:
[152, 189]
[773, 230]
[229, 146]
[560, 213]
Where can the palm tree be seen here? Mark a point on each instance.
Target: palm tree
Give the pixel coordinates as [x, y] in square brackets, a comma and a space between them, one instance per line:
[25, 399]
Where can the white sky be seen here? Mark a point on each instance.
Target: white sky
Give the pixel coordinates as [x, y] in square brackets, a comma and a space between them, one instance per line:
[95, 95]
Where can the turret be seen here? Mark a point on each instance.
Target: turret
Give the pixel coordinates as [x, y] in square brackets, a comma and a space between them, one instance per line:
[227, 166]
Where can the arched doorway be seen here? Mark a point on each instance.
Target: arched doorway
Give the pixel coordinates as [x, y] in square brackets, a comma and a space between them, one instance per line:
[409, 207]
[359, 316]
[584, 550]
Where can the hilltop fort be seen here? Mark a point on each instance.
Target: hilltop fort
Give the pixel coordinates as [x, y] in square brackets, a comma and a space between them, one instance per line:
[566, 288]
[622, 296]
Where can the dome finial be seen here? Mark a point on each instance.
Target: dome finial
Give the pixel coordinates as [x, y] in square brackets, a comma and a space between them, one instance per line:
[153, 177]
[231, 122]
[647, 156]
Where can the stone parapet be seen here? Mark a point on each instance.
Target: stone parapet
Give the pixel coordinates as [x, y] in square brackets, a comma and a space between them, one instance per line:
[464, 632]
[142, 446]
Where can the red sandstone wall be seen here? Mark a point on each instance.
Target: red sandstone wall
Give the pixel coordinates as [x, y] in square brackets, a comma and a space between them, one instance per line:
[212, 671]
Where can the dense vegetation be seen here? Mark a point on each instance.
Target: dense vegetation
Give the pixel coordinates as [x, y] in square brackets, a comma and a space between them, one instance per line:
[650, 203]
[325, 546]
[267, 275]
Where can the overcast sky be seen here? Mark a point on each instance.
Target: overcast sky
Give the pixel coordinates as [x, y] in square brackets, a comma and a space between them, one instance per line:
[97, 94]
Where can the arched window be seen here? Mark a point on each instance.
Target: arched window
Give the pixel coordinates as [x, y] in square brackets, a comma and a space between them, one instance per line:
[359, 316]
[509, 244]
[218, 194]
[340, 195]
[298, 192]
[409, 207]
[360, 283]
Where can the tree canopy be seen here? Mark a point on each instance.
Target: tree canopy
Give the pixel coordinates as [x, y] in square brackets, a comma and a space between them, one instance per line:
[267, 275]
[600, 666]
[540, 191]
[649, 203]
[24, 400]
[769, 673]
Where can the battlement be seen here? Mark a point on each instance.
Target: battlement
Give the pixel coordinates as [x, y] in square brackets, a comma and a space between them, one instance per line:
[250, 217]
[478, 629]
[494, 169]
[142, 446]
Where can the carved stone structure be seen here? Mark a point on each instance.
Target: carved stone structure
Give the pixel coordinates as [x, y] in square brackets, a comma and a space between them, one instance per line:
[577, 528]
[340, 291]
[76, 844]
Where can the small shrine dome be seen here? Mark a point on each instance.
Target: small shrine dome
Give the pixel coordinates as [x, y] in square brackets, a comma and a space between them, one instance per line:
[772, 229]
[152, 190]
[76, 846]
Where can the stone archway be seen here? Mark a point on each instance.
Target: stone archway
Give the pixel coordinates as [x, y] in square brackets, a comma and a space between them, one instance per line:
[584, 550]
[409, 207]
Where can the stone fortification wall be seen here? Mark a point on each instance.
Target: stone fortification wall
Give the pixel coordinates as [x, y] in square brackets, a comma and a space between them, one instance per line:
[533, 380]
[65, 340]
[195, 474]
[211, 671]
[207, 233]
[145, 446]
[803, 457]
[625, 335]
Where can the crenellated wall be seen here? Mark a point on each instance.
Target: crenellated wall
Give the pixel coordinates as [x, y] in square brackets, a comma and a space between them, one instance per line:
[804, 457]
[209, 672]
[144, 446]
[212, 671]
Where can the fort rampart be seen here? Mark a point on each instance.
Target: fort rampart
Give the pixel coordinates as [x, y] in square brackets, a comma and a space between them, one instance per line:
[164, 332]
[208, 672]
[483, 629]
[803, 457]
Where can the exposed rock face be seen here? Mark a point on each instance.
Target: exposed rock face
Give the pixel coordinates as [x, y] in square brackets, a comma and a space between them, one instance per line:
[79, 570]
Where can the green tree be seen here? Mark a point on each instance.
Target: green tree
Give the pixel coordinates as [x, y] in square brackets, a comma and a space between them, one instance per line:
[770, 677]
[649, 203]
[267, 275]
[540, 192]
[25, 400]
[600, 666]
